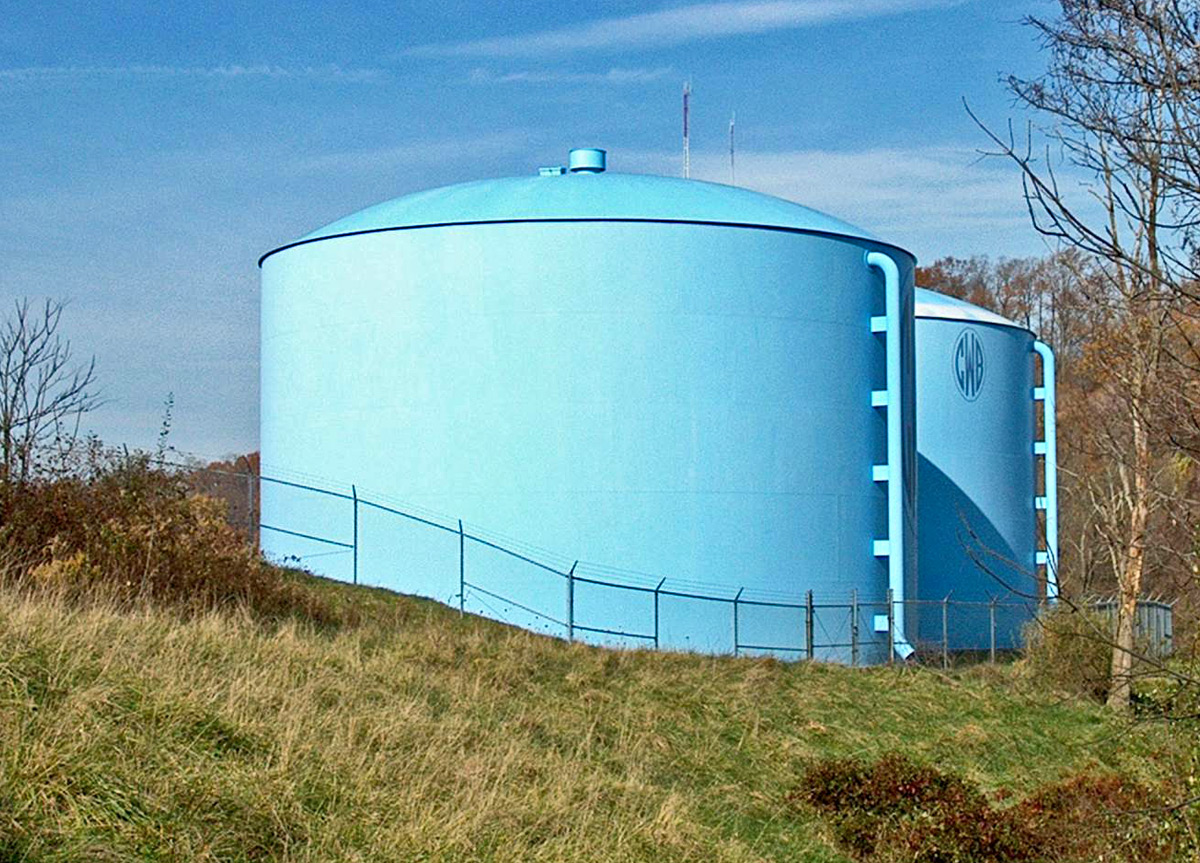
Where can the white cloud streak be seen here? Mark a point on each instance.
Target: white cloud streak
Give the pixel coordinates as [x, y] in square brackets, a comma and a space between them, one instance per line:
[929, 199]
[614, 76]
[70, 74]
[412, 155]
[935, 200]
[680, 25]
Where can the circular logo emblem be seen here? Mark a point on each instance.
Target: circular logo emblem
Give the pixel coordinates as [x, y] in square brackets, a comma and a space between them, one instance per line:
[969, 365]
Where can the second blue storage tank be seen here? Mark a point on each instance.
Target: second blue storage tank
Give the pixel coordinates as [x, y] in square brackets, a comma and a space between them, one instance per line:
[984, 471]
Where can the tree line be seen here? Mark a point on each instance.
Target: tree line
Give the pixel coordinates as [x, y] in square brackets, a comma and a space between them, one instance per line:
[1110, 175]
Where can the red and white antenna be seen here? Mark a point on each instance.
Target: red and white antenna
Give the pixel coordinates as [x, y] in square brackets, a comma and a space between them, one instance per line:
[687, 154]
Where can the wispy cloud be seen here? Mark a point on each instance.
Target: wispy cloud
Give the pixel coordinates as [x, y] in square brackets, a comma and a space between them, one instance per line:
[379, 161]
[63, 74]
[907, 196]
[679, 25]
[615, 76]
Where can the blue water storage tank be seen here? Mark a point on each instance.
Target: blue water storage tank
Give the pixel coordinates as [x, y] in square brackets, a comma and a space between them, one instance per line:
[983, 472]
[656, 377]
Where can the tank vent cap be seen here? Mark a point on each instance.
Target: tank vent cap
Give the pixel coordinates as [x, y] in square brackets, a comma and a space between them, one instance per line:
[552, 171]
[589, 160]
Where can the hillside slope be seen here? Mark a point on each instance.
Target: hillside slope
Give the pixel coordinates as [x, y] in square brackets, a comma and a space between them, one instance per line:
[420, 735]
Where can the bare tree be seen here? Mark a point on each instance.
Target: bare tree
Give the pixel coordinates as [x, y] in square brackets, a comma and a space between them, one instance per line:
[1123, 91]
[43, 394]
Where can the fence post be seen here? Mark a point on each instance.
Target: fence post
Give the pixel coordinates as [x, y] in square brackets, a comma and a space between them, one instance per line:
[946, 631]
[657, 588]
[736, 597]
[571, 602]
[853, 627]
[992, 628]
[808, 624]
[354, 496]
[891, 617]
[462, 570]
[250, 506]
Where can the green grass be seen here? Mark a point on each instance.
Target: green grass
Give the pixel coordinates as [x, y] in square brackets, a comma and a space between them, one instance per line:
[417, 735]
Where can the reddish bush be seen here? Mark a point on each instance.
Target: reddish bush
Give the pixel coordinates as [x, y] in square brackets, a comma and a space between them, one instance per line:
[1102, 819]
[126, 530]
[896, 810]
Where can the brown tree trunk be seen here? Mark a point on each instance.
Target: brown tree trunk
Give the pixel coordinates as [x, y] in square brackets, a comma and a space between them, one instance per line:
[1129, 578]
[1120, 685]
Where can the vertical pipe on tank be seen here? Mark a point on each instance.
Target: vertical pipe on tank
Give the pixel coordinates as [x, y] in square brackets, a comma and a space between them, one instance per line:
[1050, 466]
[895, 445]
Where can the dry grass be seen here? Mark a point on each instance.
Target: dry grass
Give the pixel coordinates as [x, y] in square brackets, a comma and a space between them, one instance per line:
[414, 735]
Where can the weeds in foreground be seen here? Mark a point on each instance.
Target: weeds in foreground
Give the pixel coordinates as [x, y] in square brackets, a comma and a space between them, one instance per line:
[896, 810]
[137, 733]
[165, 694]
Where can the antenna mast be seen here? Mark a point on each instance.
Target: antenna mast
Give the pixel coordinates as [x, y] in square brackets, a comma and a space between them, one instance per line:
[687, 154]
[732, 175]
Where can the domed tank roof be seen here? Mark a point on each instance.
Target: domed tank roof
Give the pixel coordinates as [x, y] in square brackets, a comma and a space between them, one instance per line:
[586, 192]
[931, 304]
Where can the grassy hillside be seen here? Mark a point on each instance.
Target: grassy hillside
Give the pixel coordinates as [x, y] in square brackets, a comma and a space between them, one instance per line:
[416, 735]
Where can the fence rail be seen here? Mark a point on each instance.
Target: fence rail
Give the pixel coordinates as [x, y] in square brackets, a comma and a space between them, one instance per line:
[853, 631]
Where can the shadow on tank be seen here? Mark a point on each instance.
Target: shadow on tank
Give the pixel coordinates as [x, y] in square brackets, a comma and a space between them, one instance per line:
[953, 528]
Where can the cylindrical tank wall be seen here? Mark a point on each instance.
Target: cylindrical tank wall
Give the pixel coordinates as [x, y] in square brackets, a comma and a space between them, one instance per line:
[675, 399]
[976, 480]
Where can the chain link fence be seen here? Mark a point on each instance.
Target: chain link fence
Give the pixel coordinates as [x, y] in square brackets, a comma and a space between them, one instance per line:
[341, 533]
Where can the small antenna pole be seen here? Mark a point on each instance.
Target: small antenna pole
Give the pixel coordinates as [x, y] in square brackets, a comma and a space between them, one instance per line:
[687, 154]
[732, 174]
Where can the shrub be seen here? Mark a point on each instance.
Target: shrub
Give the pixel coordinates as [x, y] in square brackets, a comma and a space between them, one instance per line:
[1170, 693]
[1102, 819]
[1069, 651]
[897, 810]
[126, 530]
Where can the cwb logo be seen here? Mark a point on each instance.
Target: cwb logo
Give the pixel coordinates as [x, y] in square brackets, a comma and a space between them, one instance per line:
[968, 365]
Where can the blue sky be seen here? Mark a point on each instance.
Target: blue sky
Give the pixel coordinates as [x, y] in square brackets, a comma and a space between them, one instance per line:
[150, 155]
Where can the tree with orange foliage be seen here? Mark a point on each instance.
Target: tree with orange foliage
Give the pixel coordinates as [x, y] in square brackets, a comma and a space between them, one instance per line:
[1124, 96]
